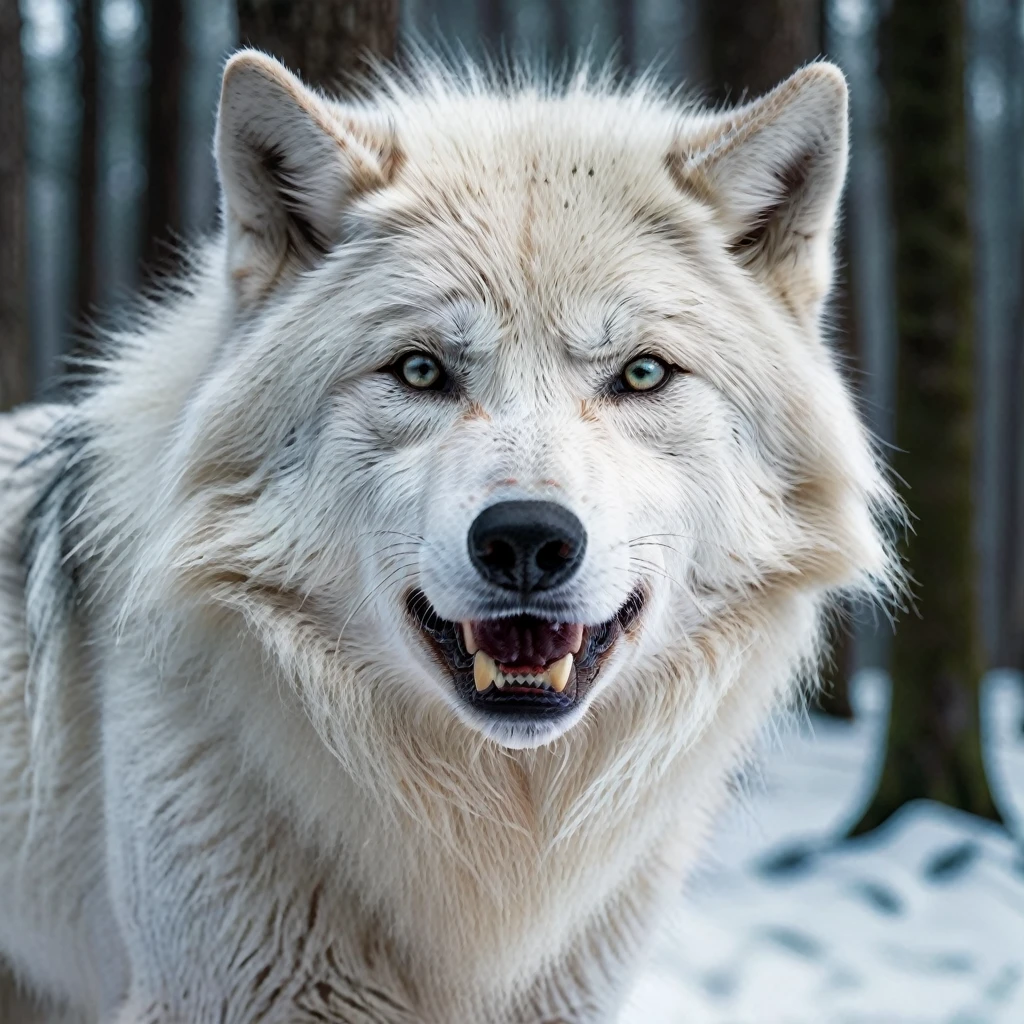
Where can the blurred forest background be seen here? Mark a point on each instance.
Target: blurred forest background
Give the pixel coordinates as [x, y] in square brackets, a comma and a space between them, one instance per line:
[106, 117]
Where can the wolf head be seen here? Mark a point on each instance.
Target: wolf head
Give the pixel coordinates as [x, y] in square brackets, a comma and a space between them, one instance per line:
[523, 395]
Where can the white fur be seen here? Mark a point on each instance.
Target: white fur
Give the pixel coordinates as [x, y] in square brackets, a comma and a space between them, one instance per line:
[234, 786]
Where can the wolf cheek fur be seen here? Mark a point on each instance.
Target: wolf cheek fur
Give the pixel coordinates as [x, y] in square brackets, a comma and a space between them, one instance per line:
[300, 758]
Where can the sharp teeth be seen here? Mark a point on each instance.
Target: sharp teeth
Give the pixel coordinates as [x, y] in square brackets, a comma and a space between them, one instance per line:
[468, 639]
[485, 671]
[558, 673]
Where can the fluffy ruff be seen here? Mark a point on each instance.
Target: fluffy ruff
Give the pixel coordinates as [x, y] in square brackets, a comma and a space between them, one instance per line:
[245, 773]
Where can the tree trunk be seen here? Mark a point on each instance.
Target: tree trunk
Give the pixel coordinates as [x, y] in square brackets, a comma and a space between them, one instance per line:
[934, 743]
[834, 696]
[325, 41]
[162, 215]
[494, 26]
[625, 28]
[561, 29]
[87, 256]
[15, 355]
[1011, 653]
[752, 45]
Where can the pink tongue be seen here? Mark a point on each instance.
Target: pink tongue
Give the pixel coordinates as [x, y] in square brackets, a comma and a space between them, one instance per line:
[527, 641]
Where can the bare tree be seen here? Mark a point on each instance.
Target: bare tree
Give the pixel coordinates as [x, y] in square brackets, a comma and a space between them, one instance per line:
[625, 29]
[15, 362]
[751, 45]
[1011, 653]
[560, 29]
[934, 743]
[495, 25]
[1010, 56]
[87, 257]
[323, 40]
[834, 696]
[162, 214]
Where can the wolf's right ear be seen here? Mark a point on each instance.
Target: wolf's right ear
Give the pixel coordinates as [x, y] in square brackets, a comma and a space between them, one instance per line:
[288, 162]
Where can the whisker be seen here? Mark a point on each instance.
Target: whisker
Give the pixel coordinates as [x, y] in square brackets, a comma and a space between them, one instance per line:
[655, 544]
[659, 571]
[419, 538]
[395, 550]
[373, 593]
[674, 536]
[702, 605]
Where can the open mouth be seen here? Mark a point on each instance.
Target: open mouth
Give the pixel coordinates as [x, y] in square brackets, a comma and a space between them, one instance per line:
[522, 665]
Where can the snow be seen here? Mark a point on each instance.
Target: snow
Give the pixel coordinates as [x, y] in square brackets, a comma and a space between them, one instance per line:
[921, 922]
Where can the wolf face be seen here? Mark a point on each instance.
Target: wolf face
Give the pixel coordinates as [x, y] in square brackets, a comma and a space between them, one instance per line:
[524, 389]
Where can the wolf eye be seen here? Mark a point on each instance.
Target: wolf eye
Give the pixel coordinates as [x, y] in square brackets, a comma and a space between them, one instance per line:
[421, 371]
[645, 373]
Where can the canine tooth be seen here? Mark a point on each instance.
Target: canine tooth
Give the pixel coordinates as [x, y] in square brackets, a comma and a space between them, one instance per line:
[558, 673]
[468, 639]
[579, 641]
[485, 671]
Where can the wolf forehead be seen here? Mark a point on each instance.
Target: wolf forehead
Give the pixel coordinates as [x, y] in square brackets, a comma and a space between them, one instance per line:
[544, 188]
[531, 194]
[541, 154]
[573, 185]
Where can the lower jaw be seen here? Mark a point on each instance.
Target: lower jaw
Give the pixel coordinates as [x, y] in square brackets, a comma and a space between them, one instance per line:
[522, 732]
[525, 714]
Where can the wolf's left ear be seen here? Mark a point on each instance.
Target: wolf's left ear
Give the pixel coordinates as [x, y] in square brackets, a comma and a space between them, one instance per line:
[289, 162]
[773, 171]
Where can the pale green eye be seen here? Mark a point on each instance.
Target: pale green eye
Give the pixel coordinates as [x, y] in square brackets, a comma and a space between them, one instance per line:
[421, 371]
[644, 374]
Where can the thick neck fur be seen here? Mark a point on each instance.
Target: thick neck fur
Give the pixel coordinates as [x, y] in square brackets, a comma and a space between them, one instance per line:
[506, 857]
[507, 854]
[267, 712]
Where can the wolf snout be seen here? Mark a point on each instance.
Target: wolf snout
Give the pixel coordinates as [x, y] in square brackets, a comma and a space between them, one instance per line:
[527, 546]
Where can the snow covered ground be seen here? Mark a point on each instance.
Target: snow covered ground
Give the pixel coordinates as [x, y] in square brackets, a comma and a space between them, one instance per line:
[921, 923]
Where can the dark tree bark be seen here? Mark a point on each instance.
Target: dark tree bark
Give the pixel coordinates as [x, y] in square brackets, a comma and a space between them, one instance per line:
[1011, 647]
[15, 354]
[834, 696]
[325, 41]
[752, 45]
[934, 744]
[87, 261]
[162, 215]
[1011, 654]
[560, 29]
[494, 26]
[625, 27]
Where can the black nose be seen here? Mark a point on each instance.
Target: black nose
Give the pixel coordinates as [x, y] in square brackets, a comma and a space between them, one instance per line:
[527, 545]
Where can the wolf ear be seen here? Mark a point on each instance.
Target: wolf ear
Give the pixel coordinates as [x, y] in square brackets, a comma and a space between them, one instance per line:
[289, 162]
[773, 171]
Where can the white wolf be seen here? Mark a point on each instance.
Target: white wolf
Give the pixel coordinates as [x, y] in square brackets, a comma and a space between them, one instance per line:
[379, 631]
